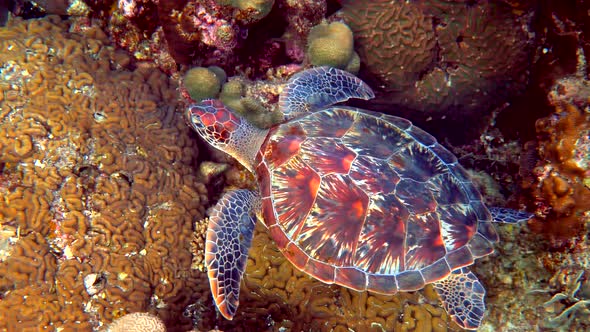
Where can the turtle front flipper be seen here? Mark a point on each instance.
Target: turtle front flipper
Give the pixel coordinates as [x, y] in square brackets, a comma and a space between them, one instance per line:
[316, 88]
[462, 296]
[509, 216]
[229, 237]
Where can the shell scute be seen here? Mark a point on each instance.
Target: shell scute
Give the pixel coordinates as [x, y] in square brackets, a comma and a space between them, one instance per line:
[400, 123]
[338, 159]
[421, 136]
[445, 155]
[351, 277]
[458, 225]
[322, 271]
[417, 163]
[482, 213]
[284, 145]
[373, 175]
[381, 242]
[383, 284]
[449, 190]
[423, 241]
[487, 230]
[263, 174]
[417, 196]
[411, 280]
[332, 229]
[279, 236]
[436, 271]
[480, 246]
[460, 258]
[294, 186]
[370, 135]
[460, 173]
[328, 124]
[296, 256]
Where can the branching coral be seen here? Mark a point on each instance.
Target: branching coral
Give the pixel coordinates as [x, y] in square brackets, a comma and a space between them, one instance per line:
[97, 177]
[576, 306]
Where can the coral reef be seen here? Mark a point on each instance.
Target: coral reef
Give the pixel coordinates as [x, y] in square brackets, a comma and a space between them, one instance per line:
[64, 7]
[300, 16]
[98, 193]
[449, 57]
[249, 11]
[253, 99]
[137, 322]
[559, 182]
[202, 83]
[332, 45]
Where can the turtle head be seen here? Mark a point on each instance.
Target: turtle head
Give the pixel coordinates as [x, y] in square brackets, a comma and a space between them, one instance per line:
[225, 130]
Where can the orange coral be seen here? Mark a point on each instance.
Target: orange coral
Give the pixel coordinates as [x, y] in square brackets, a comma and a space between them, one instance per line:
[97, 180]
[560, 183]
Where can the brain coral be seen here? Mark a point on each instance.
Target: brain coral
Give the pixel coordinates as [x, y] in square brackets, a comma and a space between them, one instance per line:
[96, 172]
[441, 56]
[137, 322]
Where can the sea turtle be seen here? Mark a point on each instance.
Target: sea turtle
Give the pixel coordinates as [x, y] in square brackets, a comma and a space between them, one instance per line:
[353, 197]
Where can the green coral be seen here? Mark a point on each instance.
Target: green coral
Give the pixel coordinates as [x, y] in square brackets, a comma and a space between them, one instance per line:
[332, 45]
[202, 83]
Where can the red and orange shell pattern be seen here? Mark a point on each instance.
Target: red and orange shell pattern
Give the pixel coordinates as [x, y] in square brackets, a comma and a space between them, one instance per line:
[369, 201]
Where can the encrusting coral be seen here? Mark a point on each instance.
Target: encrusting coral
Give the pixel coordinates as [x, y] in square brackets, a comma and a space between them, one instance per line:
[97, 178]
[559, 182]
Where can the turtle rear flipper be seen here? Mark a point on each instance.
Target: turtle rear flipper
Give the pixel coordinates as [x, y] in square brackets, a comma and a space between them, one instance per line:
[229, 237]
[509, 216]
[462, 296]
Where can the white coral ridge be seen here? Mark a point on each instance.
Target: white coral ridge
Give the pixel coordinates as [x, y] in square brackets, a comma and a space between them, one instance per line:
[137, 322]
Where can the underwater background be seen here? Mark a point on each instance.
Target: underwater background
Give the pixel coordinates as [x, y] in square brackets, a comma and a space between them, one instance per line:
[104, 188]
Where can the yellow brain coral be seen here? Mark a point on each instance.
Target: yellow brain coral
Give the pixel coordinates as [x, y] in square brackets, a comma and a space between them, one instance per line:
[98, 193]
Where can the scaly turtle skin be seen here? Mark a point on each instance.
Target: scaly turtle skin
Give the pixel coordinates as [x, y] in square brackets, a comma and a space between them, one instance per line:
[361, 199]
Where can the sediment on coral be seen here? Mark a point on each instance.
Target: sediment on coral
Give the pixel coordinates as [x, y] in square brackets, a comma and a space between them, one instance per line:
[98, 178]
